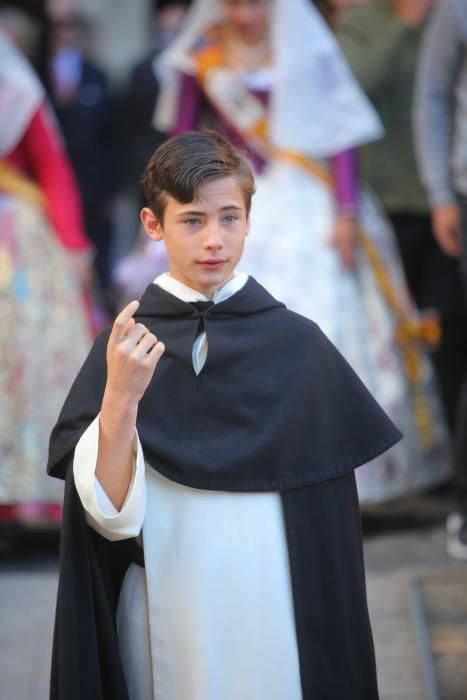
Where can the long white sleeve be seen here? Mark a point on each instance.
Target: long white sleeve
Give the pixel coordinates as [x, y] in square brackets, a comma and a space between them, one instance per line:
[101, 514]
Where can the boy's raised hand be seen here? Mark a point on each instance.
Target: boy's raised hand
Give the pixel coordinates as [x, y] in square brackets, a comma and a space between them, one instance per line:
[132, 356]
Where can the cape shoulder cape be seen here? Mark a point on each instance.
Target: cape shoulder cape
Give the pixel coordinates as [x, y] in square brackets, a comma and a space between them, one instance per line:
[275, 408]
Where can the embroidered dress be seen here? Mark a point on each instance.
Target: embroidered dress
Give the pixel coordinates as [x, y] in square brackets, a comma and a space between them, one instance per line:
[43, 333]
[295, 117]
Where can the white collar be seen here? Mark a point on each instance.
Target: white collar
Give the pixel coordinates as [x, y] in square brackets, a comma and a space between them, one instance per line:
[186, 293]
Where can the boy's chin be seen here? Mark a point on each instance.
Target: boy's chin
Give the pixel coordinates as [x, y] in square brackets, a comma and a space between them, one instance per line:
[213, 278]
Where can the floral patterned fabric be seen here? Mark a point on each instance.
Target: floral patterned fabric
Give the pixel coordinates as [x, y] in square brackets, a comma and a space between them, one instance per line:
[43, 341]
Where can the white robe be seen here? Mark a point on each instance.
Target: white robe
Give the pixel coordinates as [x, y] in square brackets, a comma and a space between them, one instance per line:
[211, 616]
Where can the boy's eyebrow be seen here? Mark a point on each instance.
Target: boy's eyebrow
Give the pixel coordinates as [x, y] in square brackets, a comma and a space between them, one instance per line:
[193, 212]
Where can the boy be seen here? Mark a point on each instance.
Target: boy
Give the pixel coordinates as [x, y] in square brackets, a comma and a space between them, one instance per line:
[238, 484]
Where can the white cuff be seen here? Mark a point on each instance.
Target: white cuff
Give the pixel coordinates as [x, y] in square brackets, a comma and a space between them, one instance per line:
[101, 514]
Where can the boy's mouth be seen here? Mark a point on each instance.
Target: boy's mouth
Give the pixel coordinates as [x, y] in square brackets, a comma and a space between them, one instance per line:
[212, 263]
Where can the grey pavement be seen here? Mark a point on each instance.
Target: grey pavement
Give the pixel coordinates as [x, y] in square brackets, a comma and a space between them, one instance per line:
[28, 590]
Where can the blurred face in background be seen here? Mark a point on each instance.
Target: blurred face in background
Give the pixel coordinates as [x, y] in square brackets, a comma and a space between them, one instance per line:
[68, 30]
[168, 21]
[63, 34]
[334, 10]
[248, 18]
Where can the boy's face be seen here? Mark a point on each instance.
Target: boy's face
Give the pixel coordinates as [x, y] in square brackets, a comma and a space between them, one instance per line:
[204, 238]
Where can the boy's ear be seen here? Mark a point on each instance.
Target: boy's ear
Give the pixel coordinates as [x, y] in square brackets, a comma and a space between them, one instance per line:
[247, 225]
[151, 224]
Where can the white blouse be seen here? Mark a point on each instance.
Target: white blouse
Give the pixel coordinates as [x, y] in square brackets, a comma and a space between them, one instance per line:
[211, 616]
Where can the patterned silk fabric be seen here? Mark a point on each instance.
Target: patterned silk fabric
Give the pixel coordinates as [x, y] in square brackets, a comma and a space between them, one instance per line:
[43, 341]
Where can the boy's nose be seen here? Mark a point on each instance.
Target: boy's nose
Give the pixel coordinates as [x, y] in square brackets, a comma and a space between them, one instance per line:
[214, 237]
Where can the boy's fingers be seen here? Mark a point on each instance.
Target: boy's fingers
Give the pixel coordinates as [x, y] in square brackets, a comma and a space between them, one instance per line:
[122, 320]
[155, 354]
[145, 345]
[129, 327]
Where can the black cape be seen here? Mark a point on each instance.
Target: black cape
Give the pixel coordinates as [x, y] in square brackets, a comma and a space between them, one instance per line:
[275, 408]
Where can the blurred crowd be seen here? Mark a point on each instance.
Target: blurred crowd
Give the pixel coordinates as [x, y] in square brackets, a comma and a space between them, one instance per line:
[367, 138]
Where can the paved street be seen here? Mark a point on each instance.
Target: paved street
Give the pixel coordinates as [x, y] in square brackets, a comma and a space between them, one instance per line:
[405, 547]
[28, 586]
[399, 545]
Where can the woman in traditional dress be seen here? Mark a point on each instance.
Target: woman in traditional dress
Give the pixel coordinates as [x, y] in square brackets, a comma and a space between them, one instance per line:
[270, 74]
[43, 256]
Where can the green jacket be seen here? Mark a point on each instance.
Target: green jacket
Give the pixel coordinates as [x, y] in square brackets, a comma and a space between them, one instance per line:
[382, 52]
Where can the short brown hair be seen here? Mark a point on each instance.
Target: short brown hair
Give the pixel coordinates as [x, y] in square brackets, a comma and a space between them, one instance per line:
[184, 163]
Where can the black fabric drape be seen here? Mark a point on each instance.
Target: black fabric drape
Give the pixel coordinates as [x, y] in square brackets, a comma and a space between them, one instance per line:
[335, 643]
[85, 660]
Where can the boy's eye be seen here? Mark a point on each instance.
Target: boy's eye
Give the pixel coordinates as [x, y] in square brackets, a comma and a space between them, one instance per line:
[192, 222]
[230, 218]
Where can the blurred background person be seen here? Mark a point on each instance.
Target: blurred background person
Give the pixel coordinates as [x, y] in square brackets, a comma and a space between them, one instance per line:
[44, 267]
[441, 134]
[139, 138]
[84, 107]
[271, 75]
[381, 41]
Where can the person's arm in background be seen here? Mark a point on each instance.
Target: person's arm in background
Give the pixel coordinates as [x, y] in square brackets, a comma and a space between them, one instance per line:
[439, 62]
[343, 168]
